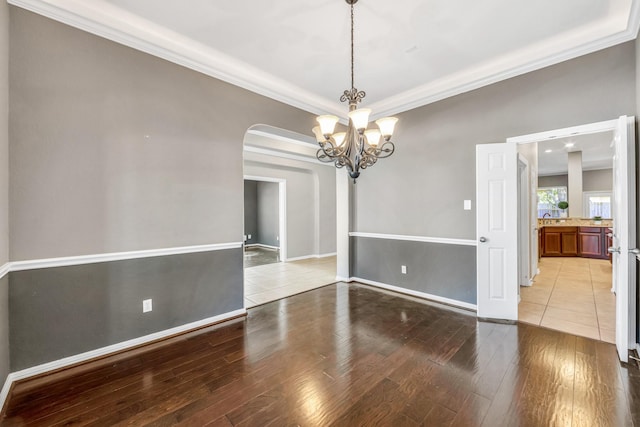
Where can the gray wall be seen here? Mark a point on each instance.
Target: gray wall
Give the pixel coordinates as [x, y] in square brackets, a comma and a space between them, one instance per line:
[4, 188]
[595, 180]
[62, 311]
[85, 178]
[251, 211]
[444, 270]
[421, 188]
[433, 169]
[553, 181]
[268, 209]
[311, 224]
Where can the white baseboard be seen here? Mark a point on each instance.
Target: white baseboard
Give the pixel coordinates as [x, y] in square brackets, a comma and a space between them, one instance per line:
[5, 269]
[108, 350]
[418, 294]
[260, 245]
[316, 256]
[4, 393]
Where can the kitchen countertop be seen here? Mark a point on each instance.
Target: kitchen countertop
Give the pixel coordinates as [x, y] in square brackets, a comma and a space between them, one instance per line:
[573, 222]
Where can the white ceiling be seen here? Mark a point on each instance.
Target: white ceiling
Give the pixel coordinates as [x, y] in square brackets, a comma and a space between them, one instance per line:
[597, 153]
[408, 53]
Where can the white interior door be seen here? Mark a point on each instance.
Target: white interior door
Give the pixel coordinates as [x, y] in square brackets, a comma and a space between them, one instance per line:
[624, 234]
[497, 230]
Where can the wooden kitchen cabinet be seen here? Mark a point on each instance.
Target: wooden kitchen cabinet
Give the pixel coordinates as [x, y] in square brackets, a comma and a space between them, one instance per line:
[587, 242]
[592, 242]
[560, 241]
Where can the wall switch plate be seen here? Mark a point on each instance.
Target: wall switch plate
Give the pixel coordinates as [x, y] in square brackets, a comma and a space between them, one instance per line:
[278, 238]
[467, 205]
[249, 236]
[147, 305]
[404, 269]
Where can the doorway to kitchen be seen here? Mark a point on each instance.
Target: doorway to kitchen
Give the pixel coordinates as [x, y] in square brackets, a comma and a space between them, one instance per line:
[497, 230]
[573, 220]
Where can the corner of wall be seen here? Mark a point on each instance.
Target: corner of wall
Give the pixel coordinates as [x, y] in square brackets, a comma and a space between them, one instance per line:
[4, 193]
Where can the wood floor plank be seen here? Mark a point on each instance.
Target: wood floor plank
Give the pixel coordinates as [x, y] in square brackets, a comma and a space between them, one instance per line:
[344, 355]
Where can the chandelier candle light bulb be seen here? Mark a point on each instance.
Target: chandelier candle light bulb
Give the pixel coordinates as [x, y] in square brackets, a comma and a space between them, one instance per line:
[358, 147]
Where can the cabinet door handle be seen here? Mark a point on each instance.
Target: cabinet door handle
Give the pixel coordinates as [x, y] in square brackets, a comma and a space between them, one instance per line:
[482, 239]
[612, 250]
[635, 251]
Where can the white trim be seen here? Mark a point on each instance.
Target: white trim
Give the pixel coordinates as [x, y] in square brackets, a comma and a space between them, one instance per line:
[5, 269]
[263, 178]
[289, 156]
[4, 393]
[418, 294]
[117, 256]
[327, 255]
[315, 256]
[444, 240]
[608, 125]
[114, 348]
[260, 245]
[302, 141]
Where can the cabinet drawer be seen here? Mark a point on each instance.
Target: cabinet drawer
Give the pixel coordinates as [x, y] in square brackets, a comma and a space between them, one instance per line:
[591, 230]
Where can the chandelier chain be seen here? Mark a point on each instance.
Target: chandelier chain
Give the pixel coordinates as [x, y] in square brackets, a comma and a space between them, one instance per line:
[352, 74]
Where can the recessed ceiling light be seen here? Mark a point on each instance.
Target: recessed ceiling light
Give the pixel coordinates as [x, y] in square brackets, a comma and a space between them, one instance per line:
[569, 144]
[548, 151]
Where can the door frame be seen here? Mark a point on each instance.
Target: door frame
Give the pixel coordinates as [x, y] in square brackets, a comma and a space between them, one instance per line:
[597, 127]
[282, 210]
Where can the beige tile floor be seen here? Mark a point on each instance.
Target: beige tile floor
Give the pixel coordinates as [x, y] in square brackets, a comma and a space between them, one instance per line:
[266, 283]
[571, 295]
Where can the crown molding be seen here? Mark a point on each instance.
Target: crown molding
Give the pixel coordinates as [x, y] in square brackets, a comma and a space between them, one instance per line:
[512, 65]
[110, 22]
[102, 18]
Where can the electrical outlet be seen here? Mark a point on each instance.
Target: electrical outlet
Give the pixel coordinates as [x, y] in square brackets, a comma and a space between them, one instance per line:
[467, 205]
[404, 269]
[147, 305]
[249, 236]
[245, 237]
[278, 238]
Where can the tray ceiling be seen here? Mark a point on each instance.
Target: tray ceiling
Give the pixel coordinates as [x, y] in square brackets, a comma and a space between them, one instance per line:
[408, 53]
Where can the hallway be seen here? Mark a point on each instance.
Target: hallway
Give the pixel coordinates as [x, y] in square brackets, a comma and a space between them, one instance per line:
[571, 295]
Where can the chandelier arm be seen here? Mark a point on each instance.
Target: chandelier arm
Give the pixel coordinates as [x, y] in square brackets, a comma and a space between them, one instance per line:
[386, 150]
[330, 148]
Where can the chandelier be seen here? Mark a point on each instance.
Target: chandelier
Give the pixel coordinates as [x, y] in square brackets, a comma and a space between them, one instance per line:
[358, 147]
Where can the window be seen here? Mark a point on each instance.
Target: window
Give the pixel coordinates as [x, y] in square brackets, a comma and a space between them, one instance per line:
[548, 198]
[597, 203]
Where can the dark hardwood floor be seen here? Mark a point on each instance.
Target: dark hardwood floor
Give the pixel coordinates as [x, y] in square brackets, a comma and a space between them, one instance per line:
[344, 355]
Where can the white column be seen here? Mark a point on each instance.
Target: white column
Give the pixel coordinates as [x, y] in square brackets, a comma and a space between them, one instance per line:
[575, 184]
[343, 197]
